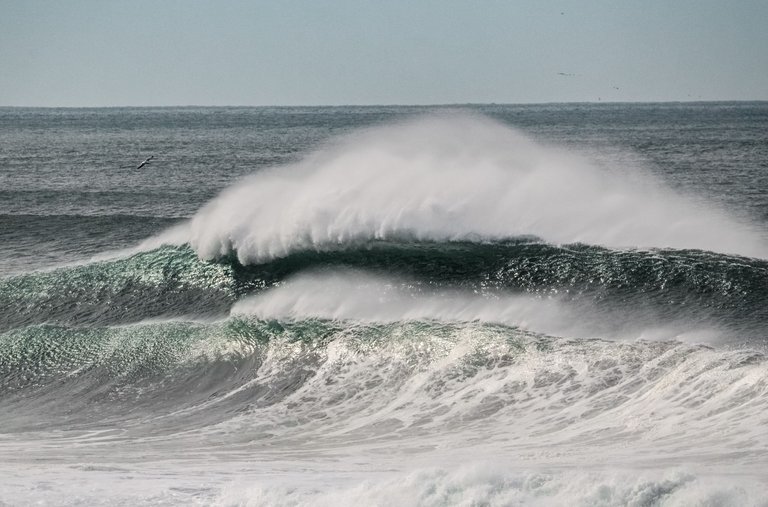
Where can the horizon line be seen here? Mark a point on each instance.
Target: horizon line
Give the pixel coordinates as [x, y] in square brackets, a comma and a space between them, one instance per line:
[446, 104]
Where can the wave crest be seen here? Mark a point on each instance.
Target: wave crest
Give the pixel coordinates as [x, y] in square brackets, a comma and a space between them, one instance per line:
[454, 177]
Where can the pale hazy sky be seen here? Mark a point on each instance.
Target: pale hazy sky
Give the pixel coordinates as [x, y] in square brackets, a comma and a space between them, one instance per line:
[238, 52]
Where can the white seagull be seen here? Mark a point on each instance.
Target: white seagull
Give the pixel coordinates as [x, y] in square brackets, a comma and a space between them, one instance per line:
[145, 162]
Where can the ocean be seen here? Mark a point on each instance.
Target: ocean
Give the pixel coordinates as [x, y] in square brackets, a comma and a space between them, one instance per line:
[560, 304]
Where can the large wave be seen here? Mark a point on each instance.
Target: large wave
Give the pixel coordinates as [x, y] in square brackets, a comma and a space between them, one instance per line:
[607, 293]
[454, 177]
[443, 291]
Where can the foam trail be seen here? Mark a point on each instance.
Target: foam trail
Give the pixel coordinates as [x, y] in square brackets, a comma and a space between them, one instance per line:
[362, 297]
[449, 178]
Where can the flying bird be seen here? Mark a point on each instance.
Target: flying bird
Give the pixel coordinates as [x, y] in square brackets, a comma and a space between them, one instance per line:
[145, 162]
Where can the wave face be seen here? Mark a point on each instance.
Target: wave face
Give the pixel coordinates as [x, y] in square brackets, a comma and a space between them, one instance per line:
[632, 289]
[166, 282]
[436, 311]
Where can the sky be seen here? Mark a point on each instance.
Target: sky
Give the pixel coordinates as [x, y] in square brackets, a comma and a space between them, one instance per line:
[335, 52]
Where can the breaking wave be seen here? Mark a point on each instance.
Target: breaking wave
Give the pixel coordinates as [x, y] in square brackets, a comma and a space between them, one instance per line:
[453, 178]
[444, 291]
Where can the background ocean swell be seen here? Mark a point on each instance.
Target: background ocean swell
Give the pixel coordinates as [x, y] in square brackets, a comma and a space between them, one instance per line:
[353, 335]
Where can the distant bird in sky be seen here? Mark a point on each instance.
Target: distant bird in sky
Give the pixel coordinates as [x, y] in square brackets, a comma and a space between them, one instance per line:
[145, 162]
[565, 74]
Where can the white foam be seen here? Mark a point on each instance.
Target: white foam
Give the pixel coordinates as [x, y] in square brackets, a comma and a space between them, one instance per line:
[347, 294]
[393, 416]
[449, 178]
[483, 485]
[176, 483]
[355, 295]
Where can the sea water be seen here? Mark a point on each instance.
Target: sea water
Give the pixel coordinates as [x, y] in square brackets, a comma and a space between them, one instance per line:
[559, 304]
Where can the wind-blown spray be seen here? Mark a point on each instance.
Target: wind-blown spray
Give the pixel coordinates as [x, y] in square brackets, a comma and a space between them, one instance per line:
[453, 178]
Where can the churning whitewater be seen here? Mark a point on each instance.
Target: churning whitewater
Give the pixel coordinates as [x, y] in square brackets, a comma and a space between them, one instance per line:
[429, 310]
